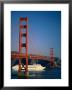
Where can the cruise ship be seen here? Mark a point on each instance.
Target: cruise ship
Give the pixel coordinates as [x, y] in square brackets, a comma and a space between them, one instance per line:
[34, 67]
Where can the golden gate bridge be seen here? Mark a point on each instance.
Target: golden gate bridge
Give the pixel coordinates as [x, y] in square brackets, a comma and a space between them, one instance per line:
[20, 55]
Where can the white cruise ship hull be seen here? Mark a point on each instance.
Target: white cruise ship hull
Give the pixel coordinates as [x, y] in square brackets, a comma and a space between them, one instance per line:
[35, 67]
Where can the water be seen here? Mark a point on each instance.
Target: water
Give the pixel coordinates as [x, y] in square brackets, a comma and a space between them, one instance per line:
[53, 73]
[49, 73]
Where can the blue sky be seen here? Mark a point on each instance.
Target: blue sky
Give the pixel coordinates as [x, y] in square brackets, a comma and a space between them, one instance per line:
[44, 31]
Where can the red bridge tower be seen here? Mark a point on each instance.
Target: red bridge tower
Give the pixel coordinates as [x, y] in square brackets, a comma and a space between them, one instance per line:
[52, 57]
[23, 34]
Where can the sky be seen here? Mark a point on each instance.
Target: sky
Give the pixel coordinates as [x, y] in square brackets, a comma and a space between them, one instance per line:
[44, 31]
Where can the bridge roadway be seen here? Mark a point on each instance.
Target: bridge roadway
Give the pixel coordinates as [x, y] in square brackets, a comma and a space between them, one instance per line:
[30, 56]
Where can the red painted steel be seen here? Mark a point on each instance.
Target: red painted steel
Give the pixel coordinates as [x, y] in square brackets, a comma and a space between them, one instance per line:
[23, 26]
[52, 56]
[31, 56]
[23, 19]
[25, 45]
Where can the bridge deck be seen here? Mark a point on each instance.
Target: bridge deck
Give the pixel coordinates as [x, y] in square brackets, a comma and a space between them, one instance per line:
[30, 56]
